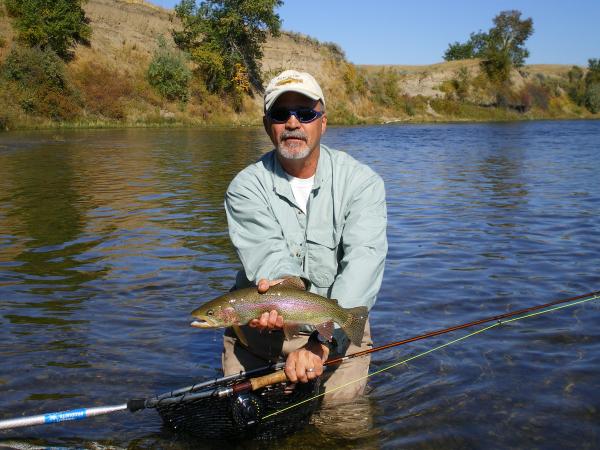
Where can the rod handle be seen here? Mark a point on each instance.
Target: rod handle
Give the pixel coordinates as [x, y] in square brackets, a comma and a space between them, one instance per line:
[268, 380]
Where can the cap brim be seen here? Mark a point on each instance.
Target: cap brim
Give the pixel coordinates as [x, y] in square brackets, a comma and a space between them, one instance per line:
[275, 95]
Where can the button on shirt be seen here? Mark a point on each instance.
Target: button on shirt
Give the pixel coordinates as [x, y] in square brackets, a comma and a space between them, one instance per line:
[339, 244]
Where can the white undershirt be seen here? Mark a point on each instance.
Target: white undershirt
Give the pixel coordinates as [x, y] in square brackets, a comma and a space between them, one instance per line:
[301, 188]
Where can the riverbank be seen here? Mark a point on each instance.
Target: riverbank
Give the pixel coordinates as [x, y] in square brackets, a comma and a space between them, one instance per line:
[489, 115]
[105, 85]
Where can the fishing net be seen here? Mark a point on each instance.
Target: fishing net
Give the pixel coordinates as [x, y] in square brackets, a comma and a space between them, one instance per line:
[210, 414]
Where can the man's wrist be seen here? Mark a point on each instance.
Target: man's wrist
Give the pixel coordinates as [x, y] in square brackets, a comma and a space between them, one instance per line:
[317, 338]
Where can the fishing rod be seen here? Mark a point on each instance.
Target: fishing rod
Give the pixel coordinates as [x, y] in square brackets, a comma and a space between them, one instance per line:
[279, 377]
[499, 317]
[499, 320]
[185, 394]
[191, 393]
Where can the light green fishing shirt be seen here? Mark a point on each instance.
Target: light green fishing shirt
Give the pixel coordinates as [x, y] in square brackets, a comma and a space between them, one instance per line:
[339, 245]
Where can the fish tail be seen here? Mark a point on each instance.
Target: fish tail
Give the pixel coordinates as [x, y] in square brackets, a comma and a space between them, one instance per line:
[354, 326]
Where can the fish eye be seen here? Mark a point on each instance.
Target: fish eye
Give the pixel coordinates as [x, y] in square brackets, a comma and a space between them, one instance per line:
[209, 312]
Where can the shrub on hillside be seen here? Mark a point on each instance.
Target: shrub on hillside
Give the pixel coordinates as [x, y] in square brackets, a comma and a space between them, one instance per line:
[168, 73]
[5, 122]
[104, 90]
[447, 107]
[341, 113]
[354, 80]
[593, 73]
[56, 24]
[35, 67]
[40, 83]
[458, 87]
[336, 50]
[507, 98]
[592, 98]
[7, 108]
[575, 85]
[534, 95]
[384, 86]
[57, 106]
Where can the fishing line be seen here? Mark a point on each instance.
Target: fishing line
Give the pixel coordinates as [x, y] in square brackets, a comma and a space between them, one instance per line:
[190, 408]
[439, 347]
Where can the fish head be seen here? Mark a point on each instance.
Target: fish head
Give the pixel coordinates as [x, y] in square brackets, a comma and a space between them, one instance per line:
[214, 314]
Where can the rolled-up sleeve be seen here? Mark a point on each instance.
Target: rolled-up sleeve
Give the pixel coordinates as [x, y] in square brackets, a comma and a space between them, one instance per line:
[255, 233]
[364, 245]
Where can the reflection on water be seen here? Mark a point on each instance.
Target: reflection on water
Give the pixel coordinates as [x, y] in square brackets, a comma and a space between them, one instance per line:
[109, 238]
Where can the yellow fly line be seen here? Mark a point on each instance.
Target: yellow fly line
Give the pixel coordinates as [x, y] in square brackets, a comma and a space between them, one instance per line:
[439, 347]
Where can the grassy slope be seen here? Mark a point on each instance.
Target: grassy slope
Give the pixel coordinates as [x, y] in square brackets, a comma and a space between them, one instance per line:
[109, 77]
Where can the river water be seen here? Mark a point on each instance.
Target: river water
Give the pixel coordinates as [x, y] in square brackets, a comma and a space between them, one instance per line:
[109, 238]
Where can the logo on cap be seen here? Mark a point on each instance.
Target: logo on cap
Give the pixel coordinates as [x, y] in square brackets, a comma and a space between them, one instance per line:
[288, 80]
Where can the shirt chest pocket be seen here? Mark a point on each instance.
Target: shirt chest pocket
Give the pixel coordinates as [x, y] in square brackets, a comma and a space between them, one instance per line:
[323, 257]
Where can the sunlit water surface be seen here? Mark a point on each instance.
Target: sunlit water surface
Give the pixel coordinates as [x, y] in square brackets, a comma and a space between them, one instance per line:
[108, 239]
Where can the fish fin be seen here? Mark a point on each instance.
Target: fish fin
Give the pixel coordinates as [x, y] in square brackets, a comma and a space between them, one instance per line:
[240, 335]
[354, 326]
[291, 329]
[325, 329]
[293, 282]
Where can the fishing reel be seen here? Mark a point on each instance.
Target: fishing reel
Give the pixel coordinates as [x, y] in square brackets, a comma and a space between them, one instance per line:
[245, 410]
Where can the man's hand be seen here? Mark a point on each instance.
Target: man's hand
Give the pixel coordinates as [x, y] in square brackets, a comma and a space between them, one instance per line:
[268, 320]
[306, 363]
[264, 284]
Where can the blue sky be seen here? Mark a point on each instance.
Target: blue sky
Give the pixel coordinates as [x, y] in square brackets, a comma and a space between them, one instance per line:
[418, 32]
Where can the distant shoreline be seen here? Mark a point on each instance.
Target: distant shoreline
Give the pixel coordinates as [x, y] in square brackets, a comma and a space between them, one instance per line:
[106, 85]
[176, 125]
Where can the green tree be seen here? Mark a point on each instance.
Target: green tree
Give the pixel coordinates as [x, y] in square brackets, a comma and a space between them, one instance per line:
[224, 38]
[593, 73]
[168, 73]
[575, 74]
[505, 47]
[384, 87]
[576, 85]
[33, 67]
[592, 98]
[473, 48]
[50, 24]
[38, 83]
[508, 36]
[461, 83]
[500, 49]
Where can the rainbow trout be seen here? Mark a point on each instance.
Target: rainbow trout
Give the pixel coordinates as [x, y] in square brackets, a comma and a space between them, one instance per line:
[296, 306]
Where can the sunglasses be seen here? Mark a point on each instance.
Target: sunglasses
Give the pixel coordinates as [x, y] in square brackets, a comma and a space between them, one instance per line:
[304, 115]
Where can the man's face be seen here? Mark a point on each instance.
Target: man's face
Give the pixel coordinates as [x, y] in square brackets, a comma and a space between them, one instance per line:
[294, 139]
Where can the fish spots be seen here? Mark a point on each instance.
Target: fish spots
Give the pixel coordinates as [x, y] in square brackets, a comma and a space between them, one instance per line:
[229, 315]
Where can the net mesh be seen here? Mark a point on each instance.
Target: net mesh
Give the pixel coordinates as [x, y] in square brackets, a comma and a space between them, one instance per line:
[240, 416]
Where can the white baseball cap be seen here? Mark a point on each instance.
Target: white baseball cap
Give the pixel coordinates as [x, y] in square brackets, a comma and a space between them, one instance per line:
[292, 81]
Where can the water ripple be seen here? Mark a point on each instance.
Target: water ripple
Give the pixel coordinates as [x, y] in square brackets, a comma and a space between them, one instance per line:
[109, 238]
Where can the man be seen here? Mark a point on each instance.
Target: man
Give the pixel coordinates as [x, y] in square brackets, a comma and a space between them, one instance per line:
[305, 212]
